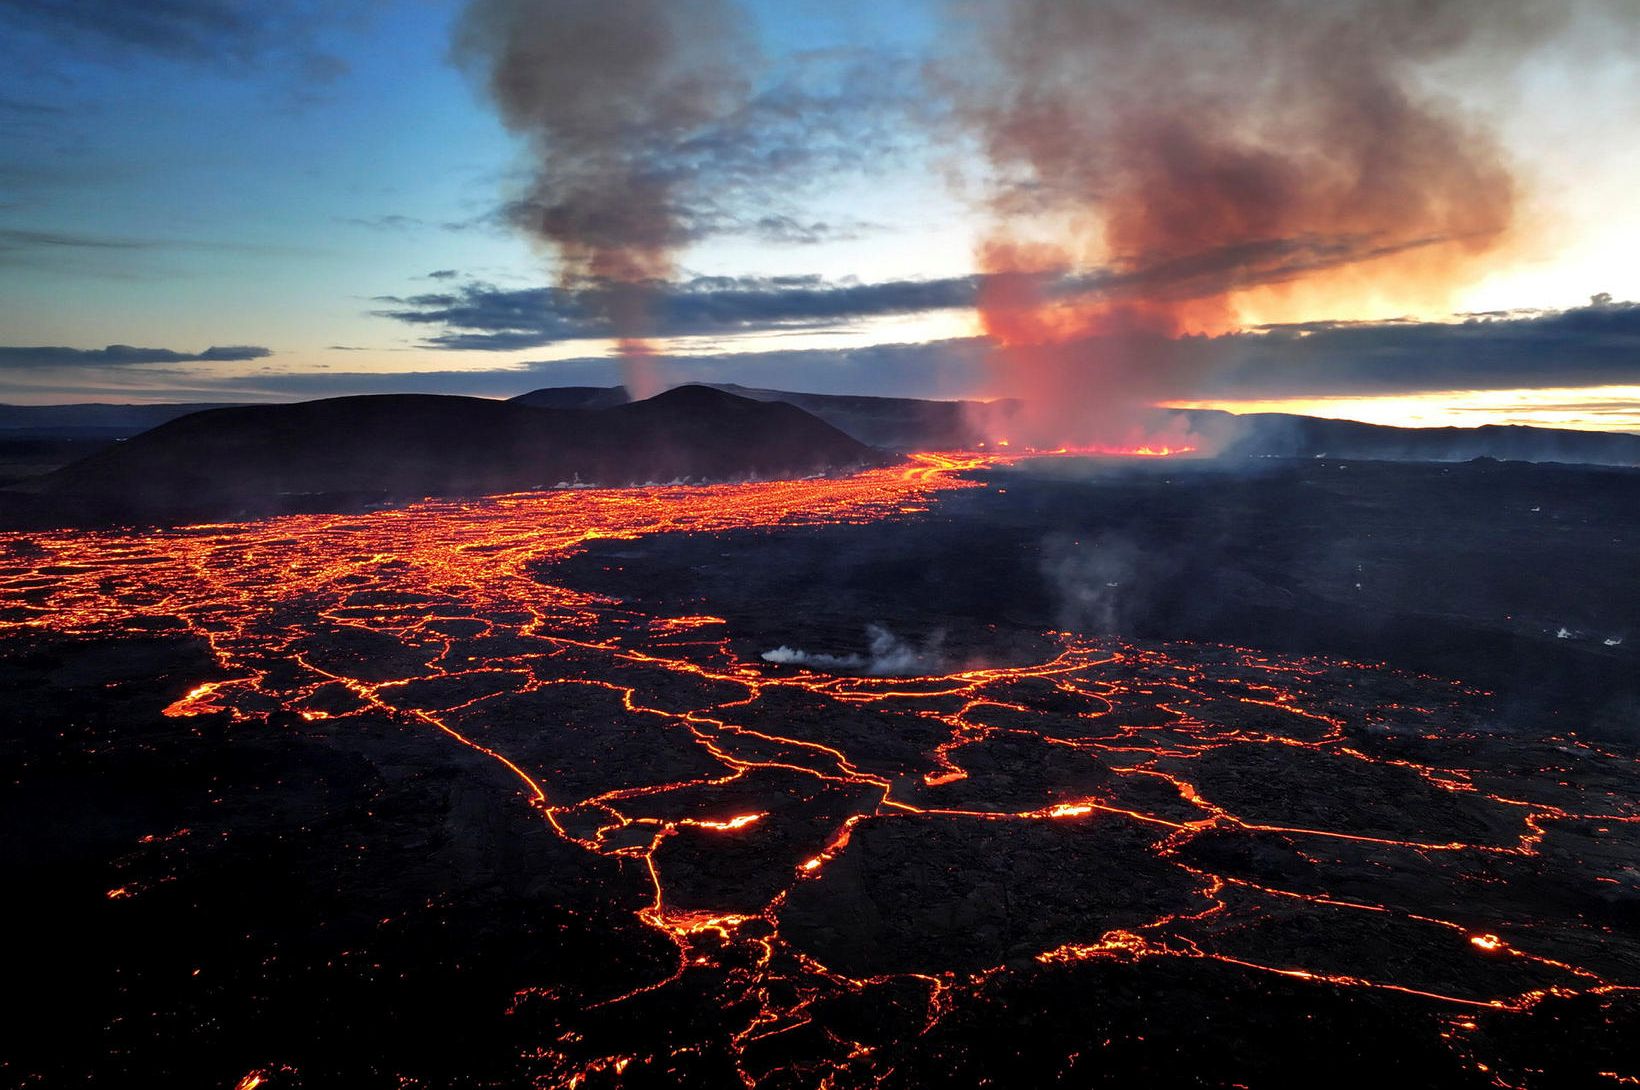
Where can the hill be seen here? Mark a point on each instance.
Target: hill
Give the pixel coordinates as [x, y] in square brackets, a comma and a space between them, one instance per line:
[902, 423]
[267, 458]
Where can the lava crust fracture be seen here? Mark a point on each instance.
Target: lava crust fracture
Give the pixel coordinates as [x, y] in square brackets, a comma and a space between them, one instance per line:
[836, 880]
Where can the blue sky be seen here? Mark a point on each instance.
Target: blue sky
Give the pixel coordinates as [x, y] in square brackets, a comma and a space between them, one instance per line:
[182, 174]
[266, 192]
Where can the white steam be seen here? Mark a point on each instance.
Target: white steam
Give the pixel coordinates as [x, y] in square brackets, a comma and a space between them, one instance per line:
[887, 656]
[1091, 581]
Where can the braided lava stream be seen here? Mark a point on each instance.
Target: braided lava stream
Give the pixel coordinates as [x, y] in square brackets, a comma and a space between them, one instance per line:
[801, 836]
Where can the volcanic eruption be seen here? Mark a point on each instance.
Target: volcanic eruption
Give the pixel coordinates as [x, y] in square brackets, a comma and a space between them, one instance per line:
[1220, 163]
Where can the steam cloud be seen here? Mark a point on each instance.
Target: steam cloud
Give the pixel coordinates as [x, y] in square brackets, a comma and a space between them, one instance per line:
[608, 93]
[1218, 155]
[888, 655]
[1090, 586]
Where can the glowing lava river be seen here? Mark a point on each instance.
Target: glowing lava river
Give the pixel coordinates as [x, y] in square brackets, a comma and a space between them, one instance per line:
[1123, 863]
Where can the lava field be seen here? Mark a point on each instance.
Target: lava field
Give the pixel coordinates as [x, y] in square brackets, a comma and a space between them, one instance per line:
[406, 798]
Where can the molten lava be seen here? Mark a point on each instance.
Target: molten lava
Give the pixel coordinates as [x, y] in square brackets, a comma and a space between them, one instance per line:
[440, 616]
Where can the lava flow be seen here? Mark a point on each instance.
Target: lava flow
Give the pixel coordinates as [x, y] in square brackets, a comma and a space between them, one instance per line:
[798, 839]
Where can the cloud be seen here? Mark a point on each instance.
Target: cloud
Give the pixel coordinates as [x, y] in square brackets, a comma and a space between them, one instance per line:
[228, 33]
[18, 239]
[940, 369]
[121, 355]
[392, 222]
[1596, 345]
[22, 106]
[481, 316]
[14, 239]
[788, 230]
[104, 255]
[19, 116]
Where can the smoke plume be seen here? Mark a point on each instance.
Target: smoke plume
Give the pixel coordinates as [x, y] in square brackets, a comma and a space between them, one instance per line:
[608, 93]
[1219, 159]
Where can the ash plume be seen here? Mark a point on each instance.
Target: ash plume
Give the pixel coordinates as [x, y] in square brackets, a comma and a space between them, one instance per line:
[606, 93]
[1220, 158]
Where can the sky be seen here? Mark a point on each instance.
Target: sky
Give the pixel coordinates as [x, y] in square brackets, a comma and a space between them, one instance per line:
[202, 200]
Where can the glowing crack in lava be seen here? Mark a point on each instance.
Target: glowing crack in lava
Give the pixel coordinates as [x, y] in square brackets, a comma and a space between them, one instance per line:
[799, 838]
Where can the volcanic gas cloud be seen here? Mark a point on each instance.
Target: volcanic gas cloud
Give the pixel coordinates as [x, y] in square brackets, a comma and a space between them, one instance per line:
[607, 93]
[1219, 162]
